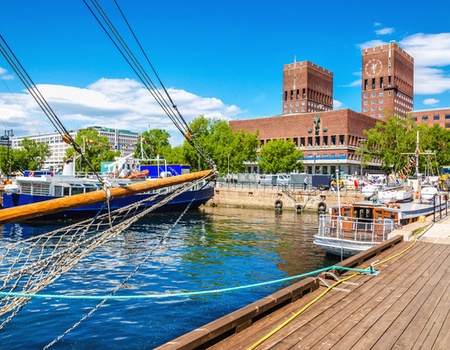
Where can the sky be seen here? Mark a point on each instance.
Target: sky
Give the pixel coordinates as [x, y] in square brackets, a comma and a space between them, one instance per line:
[220, 59]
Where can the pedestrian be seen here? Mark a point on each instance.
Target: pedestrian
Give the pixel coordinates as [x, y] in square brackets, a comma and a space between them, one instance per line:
[305, 183]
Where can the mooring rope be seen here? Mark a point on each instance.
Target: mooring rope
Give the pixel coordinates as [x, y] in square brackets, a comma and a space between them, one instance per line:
[184, 294]
[329, 288]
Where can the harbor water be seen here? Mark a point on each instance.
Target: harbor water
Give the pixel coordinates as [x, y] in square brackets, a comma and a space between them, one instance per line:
[209, 249]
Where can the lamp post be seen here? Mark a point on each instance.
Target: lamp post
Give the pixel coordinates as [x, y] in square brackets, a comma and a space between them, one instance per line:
[228, 174]
[362, 141]
[8, 133]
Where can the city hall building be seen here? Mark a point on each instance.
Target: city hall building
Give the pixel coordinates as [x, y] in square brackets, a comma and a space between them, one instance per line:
[333, 139]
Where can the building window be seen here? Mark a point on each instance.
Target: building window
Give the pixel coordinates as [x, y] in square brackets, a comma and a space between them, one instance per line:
[302, 141]
[341, 139]
[333, 140]
[414, 119]
[424, 117]
[317, 140]
[380, 100]
[325, 140]
[436, 117]
[309, 140]
[296, 141]
[381, 82]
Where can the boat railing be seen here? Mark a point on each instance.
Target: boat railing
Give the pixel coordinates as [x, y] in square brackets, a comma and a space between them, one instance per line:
[358, 229]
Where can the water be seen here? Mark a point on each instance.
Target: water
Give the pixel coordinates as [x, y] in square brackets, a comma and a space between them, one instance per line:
[211, 249]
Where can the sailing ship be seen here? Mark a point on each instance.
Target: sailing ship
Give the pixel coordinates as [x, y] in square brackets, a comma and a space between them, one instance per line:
[37, 187]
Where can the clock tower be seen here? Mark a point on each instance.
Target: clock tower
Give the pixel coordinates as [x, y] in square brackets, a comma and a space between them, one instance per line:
[387, 81]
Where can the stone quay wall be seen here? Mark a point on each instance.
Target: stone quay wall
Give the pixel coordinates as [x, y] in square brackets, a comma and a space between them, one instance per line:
[253, 196]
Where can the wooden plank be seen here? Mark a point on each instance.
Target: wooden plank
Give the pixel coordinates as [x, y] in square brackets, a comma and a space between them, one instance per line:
[354, 307]
[373, 326]
[267, 325]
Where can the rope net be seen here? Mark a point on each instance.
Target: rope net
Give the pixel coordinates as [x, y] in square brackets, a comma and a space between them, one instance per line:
[30, 265]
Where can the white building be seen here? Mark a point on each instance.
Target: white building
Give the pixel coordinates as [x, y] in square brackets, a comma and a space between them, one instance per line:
[123, 140]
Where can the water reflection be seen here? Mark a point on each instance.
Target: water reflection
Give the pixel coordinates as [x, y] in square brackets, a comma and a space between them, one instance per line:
[209, 249]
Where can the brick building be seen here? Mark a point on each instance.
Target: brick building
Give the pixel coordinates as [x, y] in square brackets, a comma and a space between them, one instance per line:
[432, 117]
[387, 81]
[329, 140]
[307, 87]
[333, 139]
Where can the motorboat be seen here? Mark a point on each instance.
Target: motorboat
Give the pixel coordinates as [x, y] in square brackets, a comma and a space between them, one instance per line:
[354, 227]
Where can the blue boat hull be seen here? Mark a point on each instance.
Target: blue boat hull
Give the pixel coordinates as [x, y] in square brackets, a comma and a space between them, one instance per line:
[179, 203]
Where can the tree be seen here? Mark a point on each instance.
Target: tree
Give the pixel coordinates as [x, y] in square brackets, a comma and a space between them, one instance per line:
[279, 156]
[95, 148]
[152, 143]
[389, 139]
[228, 150]
[31, 155]
[395, 137]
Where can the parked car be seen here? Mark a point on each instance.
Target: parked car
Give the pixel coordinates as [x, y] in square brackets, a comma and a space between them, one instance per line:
[274, 179]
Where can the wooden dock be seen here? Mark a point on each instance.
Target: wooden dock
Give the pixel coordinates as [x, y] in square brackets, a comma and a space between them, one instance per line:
[405, 306]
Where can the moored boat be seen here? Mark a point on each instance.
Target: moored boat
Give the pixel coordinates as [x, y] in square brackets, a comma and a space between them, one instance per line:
[354, 227]
[39, 187]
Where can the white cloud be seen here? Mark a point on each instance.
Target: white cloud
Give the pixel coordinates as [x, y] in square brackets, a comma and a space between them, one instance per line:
[114, 103]
[430, 101]
[4, 74]
[431, 53]
[337, 104]
[384, 31]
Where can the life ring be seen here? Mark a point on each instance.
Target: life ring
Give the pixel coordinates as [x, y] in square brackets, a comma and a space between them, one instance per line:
[278, 204]
[321, 206]
[31, 174]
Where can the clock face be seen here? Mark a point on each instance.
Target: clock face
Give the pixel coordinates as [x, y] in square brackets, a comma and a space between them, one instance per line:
[373, 67]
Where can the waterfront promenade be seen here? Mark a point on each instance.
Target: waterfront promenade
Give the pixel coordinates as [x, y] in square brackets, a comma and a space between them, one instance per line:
[405, 306]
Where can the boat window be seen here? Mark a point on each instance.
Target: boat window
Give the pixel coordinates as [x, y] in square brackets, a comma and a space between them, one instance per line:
[77, 190]
[59, 192]
[67, 191]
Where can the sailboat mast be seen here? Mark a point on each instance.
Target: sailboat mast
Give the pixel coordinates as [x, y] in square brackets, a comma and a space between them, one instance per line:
[417, 155]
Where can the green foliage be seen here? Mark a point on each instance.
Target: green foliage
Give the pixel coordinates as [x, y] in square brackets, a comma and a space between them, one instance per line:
[394, 137]
[227, 149]
[96, 149]
[280, 156]
[153, 143]
[30, 156]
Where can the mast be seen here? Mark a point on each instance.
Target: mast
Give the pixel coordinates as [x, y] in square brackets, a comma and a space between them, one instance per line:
[417, 155]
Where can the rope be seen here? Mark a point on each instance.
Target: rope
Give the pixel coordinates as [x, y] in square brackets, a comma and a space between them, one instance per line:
[312, 302]
[183, 294]
[163, 238]
[30, 265]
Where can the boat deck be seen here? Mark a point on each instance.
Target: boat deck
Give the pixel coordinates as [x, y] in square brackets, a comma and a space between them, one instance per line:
[405, 306]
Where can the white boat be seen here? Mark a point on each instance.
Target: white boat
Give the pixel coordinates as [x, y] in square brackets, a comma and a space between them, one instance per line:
[355, 227]
[393, 196]
[369, 191]
[427, 194]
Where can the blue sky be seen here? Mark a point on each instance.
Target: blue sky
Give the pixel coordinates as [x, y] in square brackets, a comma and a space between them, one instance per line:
[218, 58]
